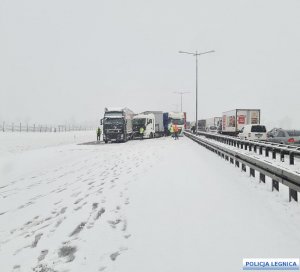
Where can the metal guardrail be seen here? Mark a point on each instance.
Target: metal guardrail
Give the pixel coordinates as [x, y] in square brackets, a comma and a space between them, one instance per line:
[265, 168]
[275, 149]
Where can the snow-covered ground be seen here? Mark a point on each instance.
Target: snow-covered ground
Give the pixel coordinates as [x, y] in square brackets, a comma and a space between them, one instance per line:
[151, 205]
[16, 142]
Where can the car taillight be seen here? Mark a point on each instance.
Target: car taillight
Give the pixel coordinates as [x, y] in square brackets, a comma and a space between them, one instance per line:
[291, 140]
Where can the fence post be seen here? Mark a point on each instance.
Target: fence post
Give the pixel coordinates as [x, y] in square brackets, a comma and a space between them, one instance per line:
[293, 195]
[292, 158]
[282, 156]
[275, 185]
[262, 178]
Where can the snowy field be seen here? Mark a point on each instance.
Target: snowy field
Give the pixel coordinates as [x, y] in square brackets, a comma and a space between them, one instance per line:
[16, 142]
[151, 205]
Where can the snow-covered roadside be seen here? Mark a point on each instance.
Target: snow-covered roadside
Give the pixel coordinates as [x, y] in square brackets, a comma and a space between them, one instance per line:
[69, 212]
[16, 142]
[152, 205]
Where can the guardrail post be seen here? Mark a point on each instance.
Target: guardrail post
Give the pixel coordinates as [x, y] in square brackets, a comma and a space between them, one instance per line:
[260, 150]
[245, 146]
[231, 160]
[262, 178]
[274, 154]
[267, 152]
[255, 148]
[244, 169]
[275, 185]
[282, 156]
[242, 145]
[237, 163]
[293, 195]
[250, 147]
[252, 172]
[292, 158]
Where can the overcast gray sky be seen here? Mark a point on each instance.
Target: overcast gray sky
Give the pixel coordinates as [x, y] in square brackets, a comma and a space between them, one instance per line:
[65, 60]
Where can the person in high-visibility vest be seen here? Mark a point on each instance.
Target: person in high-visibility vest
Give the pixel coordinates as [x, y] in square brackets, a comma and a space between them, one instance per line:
[142, 132]
[176, 131]
[171, 130]
[98, 133]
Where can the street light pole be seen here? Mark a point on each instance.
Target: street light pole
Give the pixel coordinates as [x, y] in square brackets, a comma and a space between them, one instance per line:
[181, 94]
[196, 54]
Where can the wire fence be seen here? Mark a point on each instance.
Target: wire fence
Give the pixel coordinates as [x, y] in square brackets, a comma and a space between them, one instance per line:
[21, 127]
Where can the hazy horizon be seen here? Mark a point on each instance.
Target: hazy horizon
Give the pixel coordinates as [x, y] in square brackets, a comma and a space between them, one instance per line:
[65, 61]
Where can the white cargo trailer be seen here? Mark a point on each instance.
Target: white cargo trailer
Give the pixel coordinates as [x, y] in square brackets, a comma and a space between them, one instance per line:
[233, 121]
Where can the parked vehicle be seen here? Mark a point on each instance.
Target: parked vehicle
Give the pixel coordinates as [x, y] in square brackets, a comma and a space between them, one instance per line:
[283, 136]
[272, 132]
[233, 121]
[117, 124]
[202, 125]
[172, 118]
[212, 129]
[159, 122]
[253, 132]
[146, 121]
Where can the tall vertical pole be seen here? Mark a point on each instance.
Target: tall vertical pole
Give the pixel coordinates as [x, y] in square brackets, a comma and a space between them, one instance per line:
[196, 91]
[181, 102]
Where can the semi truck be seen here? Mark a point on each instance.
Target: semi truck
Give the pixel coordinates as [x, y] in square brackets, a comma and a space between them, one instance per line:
[117, 124]
[159, 122]
[174, 118]
[234, 120]
[146, 121]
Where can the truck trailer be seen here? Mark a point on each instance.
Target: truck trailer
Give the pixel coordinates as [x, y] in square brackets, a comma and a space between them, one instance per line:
[117, 124]
[233, 121]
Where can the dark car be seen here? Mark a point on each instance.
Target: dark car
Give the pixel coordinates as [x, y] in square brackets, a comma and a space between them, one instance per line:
[285, 136]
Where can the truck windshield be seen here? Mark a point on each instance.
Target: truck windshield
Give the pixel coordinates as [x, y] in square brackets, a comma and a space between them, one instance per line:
[177, 121]
[114, 121]
[139, 122]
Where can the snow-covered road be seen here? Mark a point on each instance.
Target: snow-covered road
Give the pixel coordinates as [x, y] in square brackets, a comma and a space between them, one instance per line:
[151, 205]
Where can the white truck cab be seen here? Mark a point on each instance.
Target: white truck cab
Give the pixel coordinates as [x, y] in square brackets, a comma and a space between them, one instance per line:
[147, 121]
